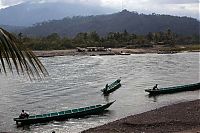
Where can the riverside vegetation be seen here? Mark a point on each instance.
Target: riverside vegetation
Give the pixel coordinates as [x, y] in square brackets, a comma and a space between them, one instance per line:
[168, 39]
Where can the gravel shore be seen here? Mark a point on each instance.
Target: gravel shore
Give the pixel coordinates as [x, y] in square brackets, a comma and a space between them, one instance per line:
[178, 118]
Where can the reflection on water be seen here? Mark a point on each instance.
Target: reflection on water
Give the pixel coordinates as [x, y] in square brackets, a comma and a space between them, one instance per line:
[24, 127]
[106, 98]
[76, 81]
[154, 97]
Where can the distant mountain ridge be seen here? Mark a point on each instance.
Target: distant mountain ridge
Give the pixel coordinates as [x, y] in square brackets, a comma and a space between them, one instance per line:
[31, 12]
[117, 22]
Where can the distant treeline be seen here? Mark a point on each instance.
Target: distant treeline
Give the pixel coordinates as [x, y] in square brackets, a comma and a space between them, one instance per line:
[111, 40]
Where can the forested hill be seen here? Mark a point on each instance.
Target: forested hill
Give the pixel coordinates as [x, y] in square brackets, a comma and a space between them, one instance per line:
[117, 22]
[33, 11]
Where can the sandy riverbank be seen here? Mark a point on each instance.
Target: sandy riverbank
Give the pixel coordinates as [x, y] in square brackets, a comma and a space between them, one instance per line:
[73, 52]
[114, 51]
[177, 118]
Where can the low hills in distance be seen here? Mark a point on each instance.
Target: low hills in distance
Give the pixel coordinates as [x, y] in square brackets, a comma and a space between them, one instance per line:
[58, 26]
[31, 12]
[38, 18]
[117, 22]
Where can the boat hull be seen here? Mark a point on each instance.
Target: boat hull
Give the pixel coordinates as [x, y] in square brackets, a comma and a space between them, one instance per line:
[190, 87]
[112, 87]
[77, 114]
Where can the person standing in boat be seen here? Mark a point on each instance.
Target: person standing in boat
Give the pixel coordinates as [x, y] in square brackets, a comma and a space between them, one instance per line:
[106, 87]
[23, 114]
[118, 81]
[155, 87]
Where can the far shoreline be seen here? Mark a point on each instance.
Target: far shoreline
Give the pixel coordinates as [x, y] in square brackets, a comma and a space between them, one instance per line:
[114, 51]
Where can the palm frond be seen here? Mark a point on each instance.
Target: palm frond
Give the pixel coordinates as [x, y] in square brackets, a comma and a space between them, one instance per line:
[12, 56]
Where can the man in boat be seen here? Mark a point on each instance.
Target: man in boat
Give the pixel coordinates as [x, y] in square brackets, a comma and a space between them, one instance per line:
[105, 89]
[155, 87]
[23, 115]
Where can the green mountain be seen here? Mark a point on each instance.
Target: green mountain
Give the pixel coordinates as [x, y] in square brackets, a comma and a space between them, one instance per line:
[117, 22]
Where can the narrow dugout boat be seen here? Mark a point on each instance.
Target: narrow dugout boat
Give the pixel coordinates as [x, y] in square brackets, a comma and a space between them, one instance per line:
[189, 87]
[73, 113]
[112, 87]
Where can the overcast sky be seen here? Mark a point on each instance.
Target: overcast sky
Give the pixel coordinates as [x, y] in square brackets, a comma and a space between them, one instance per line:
[173, 7]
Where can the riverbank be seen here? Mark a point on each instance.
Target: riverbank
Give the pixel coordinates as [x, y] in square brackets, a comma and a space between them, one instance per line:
[118, 51]
[179, 118]
[74, 52]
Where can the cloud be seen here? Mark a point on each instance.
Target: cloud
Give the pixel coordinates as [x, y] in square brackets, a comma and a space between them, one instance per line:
[172, 7]
[10, 2]
[110, 3]
[176, 1]
[14, 2]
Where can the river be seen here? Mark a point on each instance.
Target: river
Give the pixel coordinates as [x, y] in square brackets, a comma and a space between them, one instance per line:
[76, 81]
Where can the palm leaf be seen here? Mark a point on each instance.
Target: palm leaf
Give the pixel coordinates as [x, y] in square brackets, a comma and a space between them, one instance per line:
[13, 56]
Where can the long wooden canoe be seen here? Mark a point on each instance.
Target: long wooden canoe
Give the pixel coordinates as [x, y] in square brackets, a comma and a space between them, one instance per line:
[73, 113]
[112, 87]
[189, 87]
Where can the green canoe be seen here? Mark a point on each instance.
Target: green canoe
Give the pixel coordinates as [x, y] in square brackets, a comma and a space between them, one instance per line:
[189, 87]
[73, 113]
[112, 87]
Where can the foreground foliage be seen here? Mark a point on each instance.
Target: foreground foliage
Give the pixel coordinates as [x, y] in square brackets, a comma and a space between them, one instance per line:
[13, 55]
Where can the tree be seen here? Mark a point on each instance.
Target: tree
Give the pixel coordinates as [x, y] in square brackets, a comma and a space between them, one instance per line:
[53, 37]
[149, 36]
[13, 56]
[81, 38]
[94, 36]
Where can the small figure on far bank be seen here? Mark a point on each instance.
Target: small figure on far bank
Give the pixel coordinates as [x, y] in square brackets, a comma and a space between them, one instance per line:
[23, 115]
[155, 87]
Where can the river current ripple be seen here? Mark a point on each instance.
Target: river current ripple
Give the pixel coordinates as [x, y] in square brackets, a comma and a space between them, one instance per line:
[76, 81]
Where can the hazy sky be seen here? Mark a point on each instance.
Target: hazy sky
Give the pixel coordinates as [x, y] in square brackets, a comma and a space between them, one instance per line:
[173, 7]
